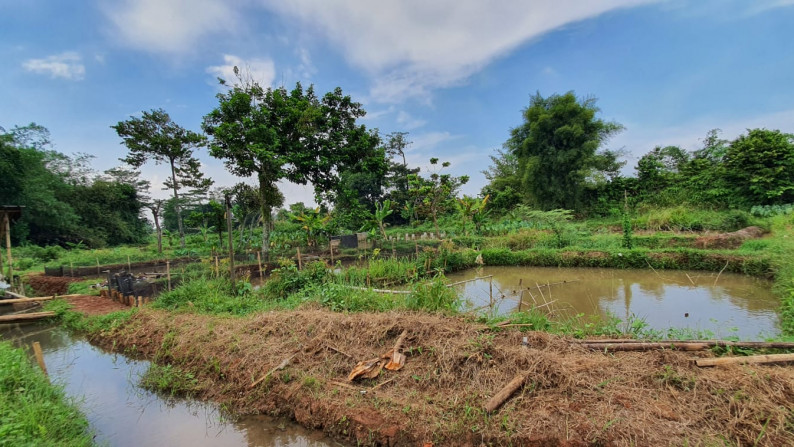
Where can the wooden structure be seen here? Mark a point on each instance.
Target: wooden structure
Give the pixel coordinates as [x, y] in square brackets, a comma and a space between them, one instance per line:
[8, 214]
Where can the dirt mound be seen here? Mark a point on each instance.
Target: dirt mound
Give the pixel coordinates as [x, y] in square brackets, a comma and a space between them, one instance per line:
[50, 285]
[729, 240]
[575, 397]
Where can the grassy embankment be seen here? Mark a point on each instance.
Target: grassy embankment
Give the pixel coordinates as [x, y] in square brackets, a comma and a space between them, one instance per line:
[32, 411]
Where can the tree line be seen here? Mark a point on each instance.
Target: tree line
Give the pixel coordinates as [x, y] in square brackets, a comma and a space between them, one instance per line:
[555, 159]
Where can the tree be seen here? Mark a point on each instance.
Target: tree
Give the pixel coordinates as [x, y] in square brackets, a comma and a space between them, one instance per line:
[155, 137]
[470, 208]
[761, 166]
[504, 181]
[156, 206]
[557, 149]
[275, 134]
[435, 194]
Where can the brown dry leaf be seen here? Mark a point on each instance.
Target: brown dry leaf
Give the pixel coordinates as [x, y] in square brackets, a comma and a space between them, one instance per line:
[367, 369]
[396, 362]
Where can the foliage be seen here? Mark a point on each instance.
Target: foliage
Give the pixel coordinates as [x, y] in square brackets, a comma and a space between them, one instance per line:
[156, 137]
[170, 379]
[313, 222]
[761, 166]
[434, 195]
[32, 411]
[275, 134]
[557, 149]
[432, 296]
[772, 210]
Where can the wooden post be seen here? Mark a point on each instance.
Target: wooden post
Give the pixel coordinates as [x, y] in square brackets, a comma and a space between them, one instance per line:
[393, 250]
[7, 226]
[259, 261]
[39, 357]
[300, 262]
[490, 292]
[168, 272]
[71, 269]
[231, 239]
[331, 246]
[217, 268]
[416, 244]
[520, 300]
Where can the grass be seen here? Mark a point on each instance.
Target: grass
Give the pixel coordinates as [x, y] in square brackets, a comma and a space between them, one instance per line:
[32, 411]
[171, 380]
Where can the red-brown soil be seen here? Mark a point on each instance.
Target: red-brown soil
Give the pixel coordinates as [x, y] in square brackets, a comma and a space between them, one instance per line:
[574, 397]
[94, 305]
[50, 285]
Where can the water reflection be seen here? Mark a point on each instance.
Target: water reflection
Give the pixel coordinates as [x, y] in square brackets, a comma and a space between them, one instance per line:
[123, 414]
[728, 305]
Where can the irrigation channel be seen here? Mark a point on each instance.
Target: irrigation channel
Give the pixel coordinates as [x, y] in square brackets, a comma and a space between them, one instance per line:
[123, 414]
[726, 305]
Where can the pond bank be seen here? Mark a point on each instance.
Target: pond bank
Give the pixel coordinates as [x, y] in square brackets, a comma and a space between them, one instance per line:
[574, 396]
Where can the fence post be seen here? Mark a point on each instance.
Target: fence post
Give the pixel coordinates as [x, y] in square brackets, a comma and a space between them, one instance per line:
[168, 273]
[39, 357]
[231, 239]
[259, 261]
[300, 262]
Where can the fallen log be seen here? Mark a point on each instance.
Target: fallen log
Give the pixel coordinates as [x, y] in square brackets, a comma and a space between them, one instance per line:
[501, 397]
[14, 295]
[750, 359]
[25, 317]
[710, 343]
[26, 300]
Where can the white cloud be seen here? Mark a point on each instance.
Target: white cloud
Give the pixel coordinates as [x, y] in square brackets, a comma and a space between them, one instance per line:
[638, 141]
[408, 122]
[169, 26]
[68, 65]
[262, 71]
[412, 46]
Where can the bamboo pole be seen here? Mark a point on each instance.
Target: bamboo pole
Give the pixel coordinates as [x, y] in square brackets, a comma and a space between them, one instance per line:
[97, 267]
[501, 397]
[231, 239]
[710, 343]
[168, 272]
[217, 267]
[300, 262]
[469, 280]
[25, 317]
[646, 346]
[750, 359]
[39, 357]
[259, 261]
[396, 292]
[26, 300]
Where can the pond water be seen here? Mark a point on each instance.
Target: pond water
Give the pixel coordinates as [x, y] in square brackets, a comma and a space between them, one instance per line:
[725, 305]
[123, 414]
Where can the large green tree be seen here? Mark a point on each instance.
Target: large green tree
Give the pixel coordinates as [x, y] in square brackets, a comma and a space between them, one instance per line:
[761, 166]
[557, 147]
[275, 134]
[154, 136]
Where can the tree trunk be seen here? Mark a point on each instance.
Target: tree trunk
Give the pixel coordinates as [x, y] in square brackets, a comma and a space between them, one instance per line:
[177, 208]
[156, 216]
[266, 218]
[435, 224]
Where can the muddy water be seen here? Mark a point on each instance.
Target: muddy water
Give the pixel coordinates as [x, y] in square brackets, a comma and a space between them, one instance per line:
[123, 414]
[731, 305]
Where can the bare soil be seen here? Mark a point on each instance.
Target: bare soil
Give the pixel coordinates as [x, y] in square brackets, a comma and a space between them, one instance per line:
[94, 305]
[50, 285]
[575, 397]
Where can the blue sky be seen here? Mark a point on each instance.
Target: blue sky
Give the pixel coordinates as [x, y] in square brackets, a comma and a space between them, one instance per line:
[454, 74]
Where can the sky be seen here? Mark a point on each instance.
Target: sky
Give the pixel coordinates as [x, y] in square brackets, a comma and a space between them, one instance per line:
[455, 75]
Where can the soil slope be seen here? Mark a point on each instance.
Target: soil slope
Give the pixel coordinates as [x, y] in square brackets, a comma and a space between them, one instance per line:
[575, 397]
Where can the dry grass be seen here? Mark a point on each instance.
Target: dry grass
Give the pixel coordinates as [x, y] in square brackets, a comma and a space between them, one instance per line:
[574, 396]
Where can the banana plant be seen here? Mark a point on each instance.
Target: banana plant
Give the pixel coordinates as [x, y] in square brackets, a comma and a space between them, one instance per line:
[470, 207]
[314, 224]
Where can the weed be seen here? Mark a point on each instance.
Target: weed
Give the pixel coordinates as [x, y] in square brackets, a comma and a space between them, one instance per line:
[670, 377]
[170, 379]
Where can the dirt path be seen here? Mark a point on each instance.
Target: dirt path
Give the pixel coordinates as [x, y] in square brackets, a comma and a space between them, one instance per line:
[574, 397]
[94, 305]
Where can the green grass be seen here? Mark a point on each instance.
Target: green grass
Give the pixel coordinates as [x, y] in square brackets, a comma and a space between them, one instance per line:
[171, 380]
[32, 411]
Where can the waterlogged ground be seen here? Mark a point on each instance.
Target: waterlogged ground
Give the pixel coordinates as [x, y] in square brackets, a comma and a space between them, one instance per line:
[123, 414]
[725, 306]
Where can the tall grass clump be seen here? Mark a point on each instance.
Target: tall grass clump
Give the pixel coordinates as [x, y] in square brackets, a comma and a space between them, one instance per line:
[432, 296]
[287, 279]
[32, 411]
[210, 296]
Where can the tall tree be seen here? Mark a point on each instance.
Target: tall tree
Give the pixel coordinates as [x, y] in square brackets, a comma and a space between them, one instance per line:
[761, 166]
[275, 134]
[557, 148]
[156, 137]
[434, 195]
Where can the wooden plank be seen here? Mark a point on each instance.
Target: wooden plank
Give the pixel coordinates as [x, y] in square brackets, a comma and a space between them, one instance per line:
[39, 357]
[750, 359]
[648, 346]
[26, 300]
[25, 317]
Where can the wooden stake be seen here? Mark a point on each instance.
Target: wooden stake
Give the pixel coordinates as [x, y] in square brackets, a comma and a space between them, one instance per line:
[217, 268]
[416, 244]
[71, 269]
[168, 272]
[7, 226]
[754, 359]
[501, 397]
[97, 267]
[231, 240]
[520, 299]
[39, 357]
[259, 261]
[300, 262]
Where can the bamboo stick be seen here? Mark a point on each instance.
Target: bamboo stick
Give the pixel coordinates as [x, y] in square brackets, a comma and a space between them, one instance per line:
[25, 317]
[26, 300]
[711, 343]
[396, 292]
[259, 261]
[750, 359]
[646, 346]
[501, 397]
[469, 280]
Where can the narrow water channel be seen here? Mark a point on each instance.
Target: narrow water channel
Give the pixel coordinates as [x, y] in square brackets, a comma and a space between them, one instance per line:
[123, 414]
[725, 305]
